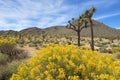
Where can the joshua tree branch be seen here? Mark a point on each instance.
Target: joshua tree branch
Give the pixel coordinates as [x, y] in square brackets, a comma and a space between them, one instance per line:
[72, 29]
[82, 28]
[72, 25]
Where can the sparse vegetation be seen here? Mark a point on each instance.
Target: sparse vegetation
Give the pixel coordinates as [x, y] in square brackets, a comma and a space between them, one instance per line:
[7, 70]
[117, 55]
[12, 51]
[9, 54]
[3, 59]
[63, 59]
[116, 49]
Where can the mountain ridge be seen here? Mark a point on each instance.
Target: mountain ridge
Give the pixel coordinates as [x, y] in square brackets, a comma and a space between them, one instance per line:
[100, 29]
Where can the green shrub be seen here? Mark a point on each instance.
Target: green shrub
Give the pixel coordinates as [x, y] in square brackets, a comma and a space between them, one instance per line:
[21, 45]
[104, 50]
[8, 70]
[35, 42]
[116, 49]
[3, 59]
[22, 55]
[99, 45]
[32, 45]
[7, 49]
[21, 41]
[117, 55]
[105, 43]
[12, 51]
[69, 43]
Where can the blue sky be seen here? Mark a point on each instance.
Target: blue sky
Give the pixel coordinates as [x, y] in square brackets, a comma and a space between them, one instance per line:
[21, 14]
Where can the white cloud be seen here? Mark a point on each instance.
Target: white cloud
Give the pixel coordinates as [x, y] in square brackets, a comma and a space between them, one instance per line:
[19, 14]
[29, 9]
[106, 16]
[23, 11]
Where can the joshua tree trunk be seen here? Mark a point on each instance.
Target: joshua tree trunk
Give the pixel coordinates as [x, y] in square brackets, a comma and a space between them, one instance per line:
[78, 33]
[81, 24]
[92, 36]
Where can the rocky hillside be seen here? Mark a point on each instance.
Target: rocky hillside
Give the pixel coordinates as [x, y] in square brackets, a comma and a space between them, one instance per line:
[32, 30]
[100, 29]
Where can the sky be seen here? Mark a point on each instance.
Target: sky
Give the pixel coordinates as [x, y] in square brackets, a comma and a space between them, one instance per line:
[21, 14]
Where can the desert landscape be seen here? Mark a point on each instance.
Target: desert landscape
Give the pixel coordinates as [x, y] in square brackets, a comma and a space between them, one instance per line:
[84, 48]
[26, 42]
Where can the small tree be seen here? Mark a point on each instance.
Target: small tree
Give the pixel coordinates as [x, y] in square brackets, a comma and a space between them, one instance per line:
[77, 26]
[88, 14]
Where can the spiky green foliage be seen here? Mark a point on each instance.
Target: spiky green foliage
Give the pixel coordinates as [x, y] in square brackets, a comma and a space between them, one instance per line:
[88, 14]
[77, 26]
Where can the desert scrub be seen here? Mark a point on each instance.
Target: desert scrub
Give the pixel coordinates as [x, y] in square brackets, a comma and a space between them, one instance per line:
[117, 55]
[3, 59]
[8, 47]
[116, 49]
[7, 70]
[7, 41]
[67, 62]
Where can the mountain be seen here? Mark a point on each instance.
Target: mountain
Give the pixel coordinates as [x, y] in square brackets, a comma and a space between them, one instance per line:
[1, 32]
[58, 30]
[8, 32]
[100, 29]
[32, 30]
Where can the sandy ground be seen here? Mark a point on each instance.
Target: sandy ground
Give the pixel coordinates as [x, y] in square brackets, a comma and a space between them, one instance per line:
[29, 50]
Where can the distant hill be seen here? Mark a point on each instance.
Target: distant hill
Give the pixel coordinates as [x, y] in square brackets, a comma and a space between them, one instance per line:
[100, 29]
[32, 30]
[8, 32]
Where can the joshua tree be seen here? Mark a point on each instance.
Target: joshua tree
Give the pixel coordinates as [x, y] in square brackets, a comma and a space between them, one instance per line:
[88, 14]
[77, 26]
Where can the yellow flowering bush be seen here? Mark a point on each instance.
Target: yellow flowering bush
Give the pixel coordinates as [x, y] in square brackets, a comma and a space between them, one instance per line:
[116, 49]
[7, 41]
[67, 62]
[8, 47]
